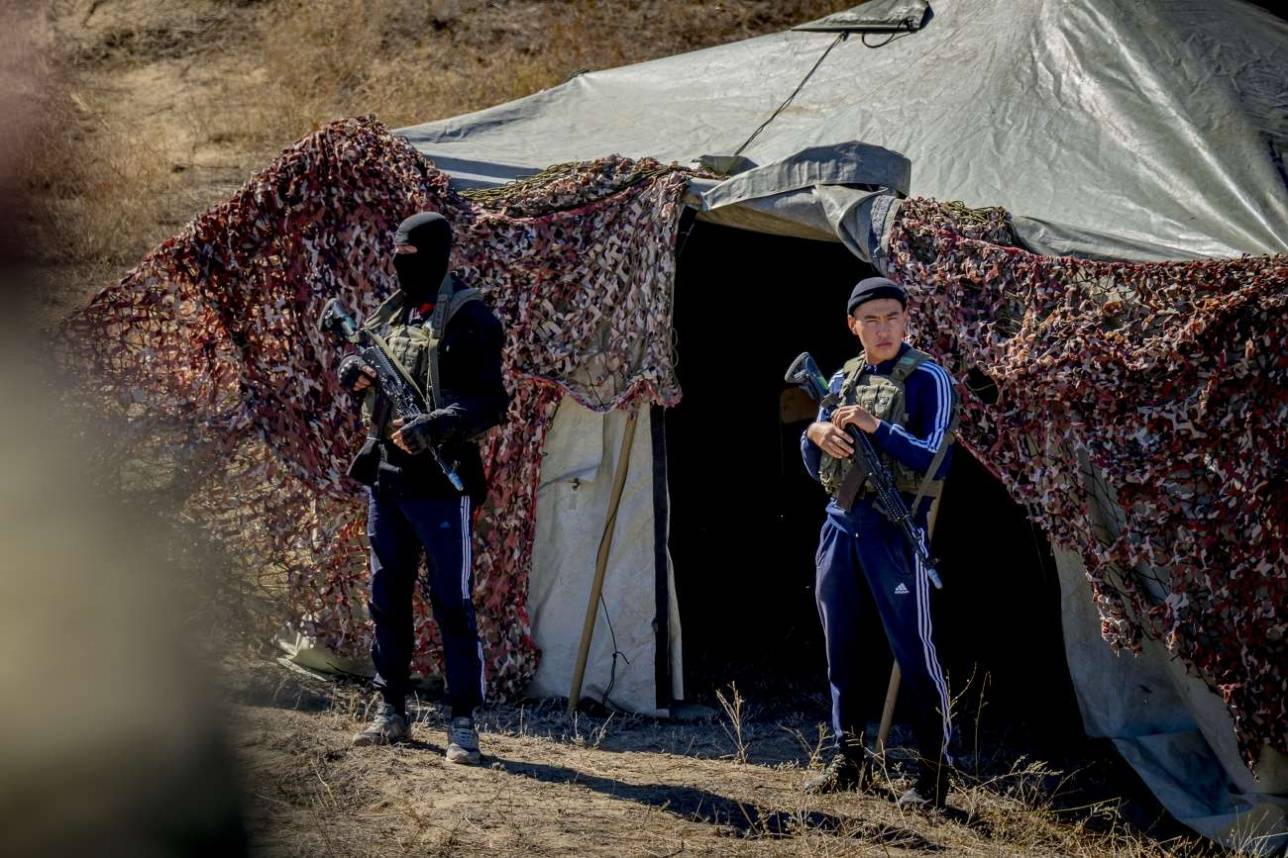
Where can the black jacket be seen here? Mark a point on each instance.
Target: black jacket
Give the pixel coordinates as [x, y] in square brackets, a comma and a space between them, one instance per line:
[472, 400]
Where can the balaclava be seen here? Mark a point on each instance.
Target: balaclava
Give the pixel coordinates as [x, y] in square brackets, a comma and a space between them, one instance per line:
[420, 273]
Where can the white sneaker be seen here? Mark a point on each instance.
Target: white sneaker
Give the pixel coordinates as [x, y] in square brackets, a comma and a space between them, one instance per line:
[463, 741]
[386, 728]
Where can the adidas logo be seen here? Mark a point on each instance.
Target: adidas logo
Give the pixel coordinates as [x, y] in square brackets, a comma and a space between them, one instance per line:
[901, 590]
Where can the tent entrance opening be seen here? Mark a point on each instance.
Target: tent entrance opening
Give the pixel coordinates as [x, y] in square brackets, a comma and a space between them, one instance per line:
[745, 517]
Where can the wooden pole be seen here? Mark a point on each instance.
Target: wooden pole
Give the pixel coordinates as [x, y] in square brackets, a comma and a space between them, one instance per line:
[896, 675]
[601, 560]
[887, 711]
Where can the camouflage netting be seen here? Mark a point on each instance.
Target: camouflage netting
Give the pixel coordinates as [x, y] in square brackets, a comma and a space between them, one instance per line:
[209, 346]
[1163, 386]
[1160, 387]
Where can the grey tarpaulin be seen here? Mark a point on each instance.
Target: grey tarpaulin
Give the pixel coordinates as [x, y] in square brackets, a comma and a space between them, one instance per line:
[1109, 129]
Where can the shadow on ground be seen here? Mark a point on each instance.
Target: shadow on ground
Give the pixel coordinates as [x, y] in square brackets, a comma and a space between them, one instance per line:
[739, 819]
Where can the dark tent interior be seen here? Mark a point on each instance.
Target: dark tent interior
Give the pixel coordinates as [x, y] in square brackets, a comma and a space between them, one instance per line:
[745, 516]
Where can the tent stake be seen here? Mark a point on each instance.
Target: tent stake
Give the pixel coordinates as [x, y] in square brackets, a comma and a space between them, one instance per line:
[601, 560]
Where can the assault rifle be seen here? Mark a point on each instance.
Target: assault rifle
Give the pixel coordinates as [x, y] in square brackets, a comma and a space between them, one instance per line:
[402, 394]
[804, 372]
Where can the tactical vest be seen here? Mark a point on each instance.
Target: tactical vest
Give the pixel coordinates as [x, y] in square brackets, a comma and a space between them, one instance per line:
[415, 347]
[882, 396]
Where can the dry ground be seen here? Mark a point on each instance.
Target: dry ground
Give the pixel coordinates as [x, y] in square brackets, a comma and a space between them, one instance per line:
[141, 113]
[619, 785]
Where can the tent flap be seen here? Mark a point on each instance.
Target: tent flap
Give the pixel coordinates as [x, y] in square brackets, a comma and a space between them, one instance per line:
[850, 163]
[572, 504]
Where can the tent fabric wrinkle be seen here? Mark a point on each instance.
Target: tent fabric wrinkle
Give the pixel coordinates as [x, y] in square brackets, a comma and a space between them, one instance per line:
[1173, 731]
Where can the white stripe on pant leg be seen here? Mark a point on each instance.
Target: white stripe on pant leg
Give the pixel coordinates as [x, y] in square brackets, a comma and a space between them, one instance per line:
[941, 682]
[923, 604]
[467, 561]
[932, 658]
[465, 547]
[925, 629]
[928, 648]
[924, 583]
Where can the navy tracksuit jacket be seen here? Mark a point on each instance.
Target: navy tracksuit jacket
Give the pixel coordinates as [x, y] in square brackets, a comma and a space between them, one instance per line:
[862, 558]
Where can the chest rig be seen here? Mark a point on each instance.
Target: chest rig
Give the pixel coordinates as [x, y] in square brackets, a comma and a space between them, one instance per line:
[414, 347]
[882, 396]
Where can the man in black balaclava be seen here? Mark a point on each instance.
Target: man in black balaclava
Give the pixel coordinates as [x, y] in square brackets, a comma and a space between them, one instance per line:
[449, 342]
[423, 244]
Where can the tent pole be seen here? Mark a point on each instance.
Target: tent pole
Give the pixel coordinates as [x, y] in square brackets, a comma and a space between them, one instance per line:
[887, 711]
[601, 560]
[896, 675]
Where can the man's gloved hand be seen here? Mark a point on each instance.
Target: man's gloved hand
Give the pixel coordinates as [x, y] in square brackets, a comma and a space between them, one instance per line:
[417, 436]
[355, 373]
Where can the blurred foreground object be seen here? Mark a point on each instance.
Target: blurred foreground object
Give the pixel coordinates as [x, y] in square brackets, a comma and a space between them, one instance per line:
[108, 744]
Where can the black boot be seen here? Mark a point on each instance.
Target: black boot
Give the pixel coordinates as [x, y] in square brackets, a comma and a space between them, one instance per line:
[847, 770]
[930, 791]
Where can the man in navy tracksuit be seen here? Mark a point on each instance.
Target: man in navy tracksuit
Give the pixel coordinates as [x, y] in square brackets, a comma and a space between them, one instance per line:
[904, 401]
[449, 343]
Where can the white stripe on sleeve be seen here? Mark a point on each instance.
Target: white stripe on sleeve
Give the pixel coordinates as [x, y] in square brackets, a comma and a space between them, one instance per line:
[943, 410]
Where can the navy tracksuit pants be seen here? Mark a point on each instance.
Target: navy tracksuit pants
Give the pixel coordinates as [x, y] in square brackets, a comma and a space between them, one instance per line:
[863, 559]
[398, 527]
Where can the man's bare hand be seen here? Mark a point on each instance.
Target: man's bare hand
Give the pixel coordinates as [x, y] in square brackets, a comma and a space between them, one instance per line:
[421, 433]
[399, 441]
[356, 374]
[831, 439]
[856, 415]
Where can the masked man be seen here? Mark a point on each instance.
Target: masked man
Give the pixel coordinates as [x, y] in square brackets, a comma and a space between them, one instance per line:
[449, 342]
[904, 401]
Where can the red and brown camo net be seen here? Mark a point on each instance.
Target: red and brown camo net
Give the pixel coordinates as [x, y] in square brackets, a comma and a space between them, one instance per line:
[1163, 386]
[1158, 386]
[209, 346]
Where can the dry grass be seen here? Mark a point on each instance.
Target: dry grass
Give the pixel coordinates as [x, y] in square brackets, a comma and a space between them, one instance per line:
[153, 111]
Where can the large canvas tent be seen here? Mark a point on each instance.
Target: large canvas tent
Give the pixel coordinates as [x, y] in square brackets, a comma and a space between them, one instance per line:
[1110, 129]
